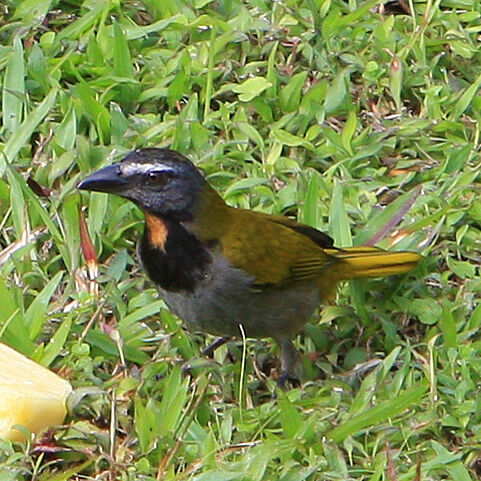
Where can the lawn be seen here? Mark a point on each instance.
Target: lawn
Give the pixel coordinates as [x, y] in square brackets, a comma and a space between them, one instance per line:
[360, 118]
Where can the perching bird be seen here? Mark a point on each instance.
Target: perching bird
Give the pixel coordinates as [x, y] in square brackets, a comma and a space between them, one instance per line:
[218, 267]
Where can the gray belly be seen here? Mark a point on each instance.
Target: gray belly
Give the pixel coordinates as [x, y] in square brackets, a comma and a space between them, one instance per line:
[226, 298]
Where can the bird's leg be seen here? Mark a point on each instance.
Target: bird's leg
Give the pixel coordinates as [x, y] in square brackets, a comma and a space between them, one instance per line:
[208, 351]
[290, 362]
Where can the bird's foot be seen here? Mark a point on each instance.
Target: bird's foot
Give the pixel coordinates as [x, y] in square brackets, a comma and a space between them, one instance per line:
[208, 351]
[288, 378]
[195, 364]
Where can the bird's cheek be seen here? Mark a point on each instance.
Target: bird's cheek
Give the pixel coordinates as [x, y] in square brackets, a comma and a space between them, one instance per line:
[142, 198]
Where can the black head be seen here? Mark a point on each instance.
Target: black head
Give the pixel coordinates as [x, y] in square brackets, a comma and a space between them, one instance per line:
[159, 181]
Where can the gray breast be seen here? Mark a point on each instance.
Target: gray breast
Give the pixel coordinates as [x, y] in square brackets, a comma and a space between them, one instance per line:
[226, 298]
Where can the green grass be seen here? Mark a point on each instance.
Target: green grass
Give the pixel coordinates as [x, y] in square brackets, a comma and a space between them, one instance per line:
[359, 118]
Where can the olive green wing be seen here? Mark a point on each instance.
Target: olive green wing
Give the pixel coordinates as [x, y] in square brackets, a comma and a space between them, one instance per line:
[272, 251]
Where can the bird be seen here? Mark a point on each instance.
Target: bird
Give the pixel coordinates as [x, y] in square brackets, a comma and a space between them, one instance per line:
[228, 271]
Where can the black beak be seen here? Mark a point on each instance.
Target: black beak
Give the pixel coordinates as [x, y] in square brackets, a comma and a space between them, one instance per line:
[109, 179]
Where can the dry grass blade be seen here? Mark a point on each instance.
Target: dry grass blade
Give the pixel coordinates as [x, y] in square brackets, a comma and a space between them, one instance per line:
[27, 239]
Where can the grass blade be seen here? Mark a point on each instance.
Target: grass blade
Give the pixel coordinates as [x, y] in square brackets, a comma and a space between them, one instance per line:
[387, 219]
[339, 228]
[26, 129]
[378, 414]
[14, 88]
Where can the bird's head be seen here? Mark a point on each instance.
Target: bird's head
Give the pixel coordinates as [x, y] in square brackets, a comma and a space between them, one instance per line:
[160, 181]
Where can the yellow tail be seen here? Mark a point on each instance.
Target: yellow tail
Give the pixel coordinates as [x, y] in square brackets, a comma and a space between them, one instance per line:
[372, 262]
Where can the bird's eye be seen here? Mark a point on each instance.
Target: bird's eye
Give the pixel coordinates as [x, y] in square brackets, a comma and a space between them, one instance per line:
[156, 177]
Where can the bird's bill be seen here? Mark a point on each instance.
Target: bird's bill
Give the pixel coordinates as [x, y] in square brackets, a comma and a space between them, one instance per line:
[108, 180]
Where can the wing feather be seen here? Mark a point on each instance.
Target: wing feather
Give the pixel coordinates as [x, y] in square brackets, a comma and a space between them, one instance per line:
[272, 251]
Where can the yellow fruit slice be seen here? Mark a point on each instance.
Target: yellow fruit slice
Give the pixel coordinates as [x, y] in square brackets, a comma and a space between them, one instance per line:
[30, 395]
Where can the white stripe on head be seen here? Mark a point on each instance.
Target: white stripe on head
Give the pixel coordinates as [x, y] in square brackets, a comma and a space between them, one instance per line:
[131, 168]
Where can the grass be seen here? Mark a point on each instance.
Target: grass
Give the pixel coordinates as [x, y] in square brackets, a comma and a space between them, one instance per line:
[361, 119]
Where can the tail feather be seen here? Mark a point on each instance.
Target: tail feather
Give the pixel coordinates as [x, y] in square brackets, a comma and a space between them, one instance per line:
[372, 262]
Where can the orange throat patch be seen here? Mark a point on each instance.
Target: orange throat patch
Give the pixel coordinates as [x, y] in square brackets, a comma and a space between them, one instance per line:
[157, 231]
